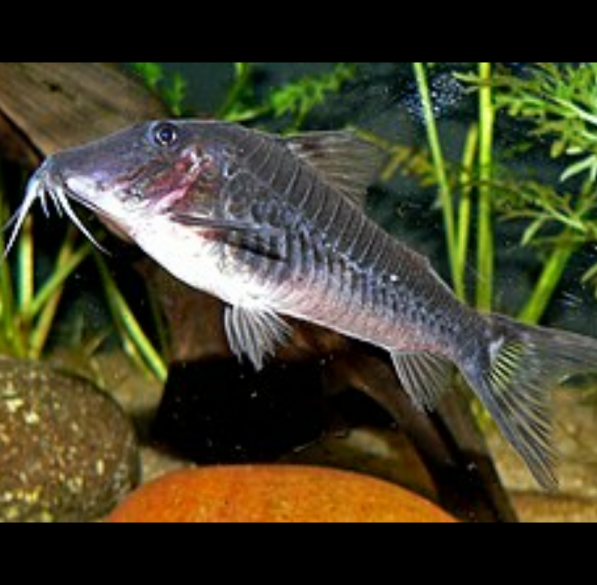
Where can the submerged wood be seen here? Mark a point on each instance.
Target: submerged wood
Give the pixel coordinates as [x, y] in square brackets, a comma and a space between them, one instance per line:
[46, 107]
[52, 106]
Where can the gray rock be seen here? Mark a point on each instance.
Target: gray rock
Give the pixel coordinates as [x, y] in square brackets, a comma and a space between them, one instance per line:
[67, 451]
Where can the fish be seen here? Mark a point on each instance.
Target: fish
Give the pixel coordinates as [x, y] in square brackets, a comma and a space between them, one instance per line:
[276, 227]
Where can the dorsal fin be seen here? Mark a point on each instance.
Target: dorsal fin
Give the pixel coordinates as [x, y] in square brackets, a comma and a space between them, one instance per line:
[343, 161]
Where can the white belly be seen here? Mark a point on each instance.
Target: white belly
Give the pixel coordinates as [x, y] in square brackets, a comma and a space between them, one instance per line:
[199, 262]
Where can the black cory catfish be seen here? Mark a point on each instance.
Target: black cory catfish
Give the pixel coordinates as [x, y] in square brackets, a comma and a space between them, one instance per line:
[276, 227]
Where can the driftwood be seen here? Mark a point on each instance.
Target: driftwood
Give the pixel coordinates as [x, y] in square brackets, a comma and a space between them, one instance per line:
[46, 107]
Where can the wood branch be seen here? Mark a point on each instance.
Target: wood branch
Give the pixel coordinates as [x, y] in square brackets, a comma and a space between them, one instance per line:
[15, 147]
[59, 105]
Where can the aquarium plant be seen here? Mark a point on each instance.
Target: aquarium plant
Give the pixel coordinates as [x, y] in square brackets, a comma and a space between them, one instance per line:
[30, 297]
[556, 104]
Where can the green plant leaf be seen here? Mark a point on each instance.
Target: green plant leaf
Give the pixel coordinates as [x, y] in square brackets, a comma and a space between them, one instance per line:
[559, 100]
[587, 165]
[295, 100]
[532, 231]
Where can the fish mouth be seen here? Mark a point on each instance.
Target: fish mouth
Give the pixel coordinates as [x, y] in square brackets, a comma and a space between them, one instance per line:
[48, 185]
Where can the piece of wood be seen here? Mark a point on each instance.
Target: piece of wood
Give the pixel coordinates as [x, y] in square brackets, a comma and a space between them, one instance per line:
[16, 147]
[449, 441]
[59, 105]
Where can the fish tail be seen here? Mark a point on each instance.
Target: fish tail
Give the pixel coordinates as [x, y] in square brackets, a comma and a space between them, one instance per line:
[512, 370]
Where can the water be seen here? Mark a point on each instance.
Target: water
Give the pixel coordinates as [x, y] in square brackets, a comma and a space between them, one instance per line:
[207, 402]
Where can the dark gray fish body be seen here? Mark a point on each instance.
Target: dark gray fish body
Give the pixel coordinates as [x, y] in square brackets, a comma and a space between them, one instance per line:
[320, 258]
[276, 227]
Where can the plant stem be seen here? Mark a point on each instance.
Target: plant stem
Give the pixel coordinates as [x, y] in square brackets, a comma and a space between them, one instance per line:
[547, 284]
[465, 208]
[134, 339]
[439, 162]
[486, 250]
[242, 75]
[48, 298]
[25, 265]
[68, 261]
[6, 301]
[8, 332]
[39, 336]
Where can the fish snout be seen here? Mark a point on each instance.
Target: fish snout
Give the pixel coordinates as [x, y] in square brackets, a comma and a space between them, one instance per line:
[47, 180]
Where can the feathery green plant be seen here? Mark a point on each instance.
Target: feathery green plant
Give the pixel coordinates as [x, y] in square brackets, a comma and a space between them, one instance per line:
[558, 103]
[294, 100]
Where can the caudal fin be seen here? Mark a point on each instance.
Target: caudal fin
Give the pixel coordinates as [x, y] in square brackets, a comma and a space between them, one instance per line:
[513, 376]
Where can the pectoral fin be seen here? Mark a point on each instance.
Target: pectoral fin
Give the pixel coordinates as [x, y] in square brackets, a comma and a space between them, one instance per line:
[264, 241]
[254, 333]
[210, 223]
[424, 376]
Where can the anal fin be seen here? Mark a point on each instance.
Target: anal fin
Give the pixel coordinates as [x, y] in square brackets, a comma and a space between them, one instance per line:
[254, 333]
[424, 377]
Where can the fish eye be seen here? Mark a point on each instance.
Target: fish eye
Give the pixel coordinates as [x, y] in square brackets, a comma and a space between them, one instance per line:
[165, 135]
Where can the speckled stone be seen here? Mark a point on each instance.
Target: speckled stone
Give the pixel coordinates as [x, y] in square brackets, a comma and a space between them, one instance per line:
[67, 451]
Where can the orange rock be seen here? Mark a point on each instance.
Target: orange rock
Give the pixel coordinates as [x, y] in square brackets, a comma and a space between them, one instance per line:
[274, 494]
